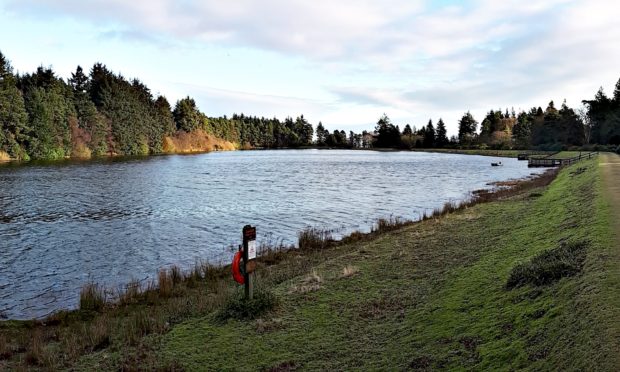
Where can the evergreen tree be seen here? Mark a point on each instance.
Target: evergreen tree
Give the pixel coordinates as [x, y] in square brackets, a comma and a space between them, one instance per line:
[387, 134]
[522, 131]
[186, 115]
[14, 127]
[407, 131]
[571, 130]
[429, 135]
[164, 115]
[321, 134]
[303, 130]
[442, 134]
[467, 129]
[617, 93]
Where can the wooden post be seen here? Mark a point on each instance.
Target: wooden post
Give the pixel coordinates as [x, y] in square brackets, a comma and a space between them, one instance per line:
[249, 259]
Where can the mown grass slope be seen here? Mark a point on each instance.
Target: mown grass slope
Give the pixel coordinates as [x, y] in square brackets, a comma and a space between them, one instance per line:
[435, 295]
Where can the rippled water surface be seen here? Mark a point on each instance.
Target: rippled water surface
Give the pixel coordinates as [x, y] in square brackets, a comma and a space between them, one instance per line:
[63, 225]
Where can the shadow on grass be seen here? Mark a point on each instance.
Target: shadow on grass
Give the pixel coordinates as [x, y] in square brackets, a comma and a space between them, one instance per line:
[549, 266]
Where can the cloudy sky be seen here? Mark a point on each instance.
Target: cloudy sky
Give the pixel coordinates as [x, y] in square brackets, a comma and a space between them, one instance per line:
[341, 62]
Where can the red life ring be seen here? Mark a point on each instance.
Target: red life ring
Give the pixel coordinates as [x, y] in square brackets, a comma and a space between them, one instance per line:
[236, 268]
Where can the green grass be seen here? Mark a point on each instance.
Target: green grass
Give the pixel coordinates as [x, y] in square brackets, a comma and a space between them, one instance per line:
[549, 266]
[485, 152]
[568, 154]
[430, 295]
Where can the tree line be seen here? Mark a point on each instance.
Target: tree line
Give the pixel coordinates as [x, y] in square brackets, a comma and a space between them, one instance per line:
[595, 125]
[100, 112]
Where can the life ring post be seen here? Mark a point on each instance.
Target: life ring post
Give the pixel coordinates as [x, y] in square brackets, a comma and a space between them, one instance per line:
[249, 259]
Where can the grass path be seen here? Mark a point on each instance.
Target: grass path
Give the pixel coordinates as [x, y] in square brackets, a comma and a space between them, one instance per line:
[610, 166]
[610, 169]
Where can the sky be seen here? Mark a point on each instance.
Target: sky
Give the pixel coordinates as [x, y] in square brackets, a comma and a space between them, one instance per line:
[344, 63]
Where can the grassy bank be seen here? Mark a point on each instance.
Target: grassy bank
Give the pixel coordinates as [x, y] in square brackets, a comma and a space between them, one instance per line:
[525, 282]
[486, 152]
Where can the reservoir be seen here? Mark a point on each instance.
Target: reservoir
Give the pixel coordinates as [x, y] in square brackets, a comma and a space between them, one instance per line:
[113, 220]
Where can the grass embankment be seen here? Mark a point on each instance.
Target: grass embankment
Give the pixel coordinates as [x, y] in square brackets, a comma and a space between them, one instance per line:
[527, 282]
[568, 154]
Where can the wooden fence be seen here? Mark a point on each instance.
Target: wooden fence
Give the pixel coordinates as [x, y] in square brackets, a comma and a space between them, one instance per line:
[551, 162]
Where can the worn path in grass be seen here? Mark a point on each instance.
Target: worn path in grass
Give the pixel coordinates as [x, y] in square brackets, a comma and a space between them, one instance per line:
[610, 166]
[610, 169]
[433, 295]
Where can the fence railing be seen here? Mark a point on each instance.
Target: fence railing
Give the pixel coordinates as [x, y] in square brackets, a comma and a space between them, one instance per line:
[558, 162]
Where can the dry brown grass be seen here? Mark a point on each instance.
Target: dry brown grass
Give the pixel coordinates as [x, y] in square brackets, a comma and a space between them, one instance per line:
[131, 294]
[314, 238]
[5, 349]
[176, 275]
[349, 270]
[92, 297]
[165, 283]
[197, 141]
[80, 138]
[98, 334]
[35, 355]
[269, 325]
[4, 156]
[389, 224]
[310, 283]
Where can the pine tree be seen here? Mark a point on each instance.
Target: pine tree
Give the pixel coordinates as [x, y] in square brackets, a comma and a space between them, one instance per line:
[186, 115]
[467, 128]
[429, 135]
[321, 134]
[442, 134]
[15, 132]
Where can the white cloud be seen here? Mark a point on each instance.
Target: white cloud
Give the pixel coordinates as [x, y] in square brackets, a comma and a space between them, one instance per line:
[410, 59]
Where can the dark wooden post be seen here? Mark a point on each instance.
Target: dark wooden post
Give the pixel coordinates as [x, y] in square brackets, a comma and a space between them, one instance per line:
[249, 259]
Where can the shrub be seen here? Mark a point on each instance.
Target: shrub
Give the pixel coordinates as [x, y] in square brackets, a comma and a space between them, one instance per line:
[549, 266]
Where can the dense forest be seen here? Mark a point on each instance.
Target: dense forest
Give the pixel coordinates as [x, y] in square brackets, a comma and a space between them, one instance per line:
[100, 112]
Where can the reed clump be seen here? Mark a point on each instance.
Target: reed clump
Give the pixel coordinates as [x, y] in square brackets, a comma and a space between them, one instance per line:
[92, 297]
[314, 238]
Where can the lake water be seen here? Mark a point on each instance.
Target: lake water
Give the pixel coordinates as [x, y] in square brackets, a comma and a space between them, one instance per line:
[110, 221]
